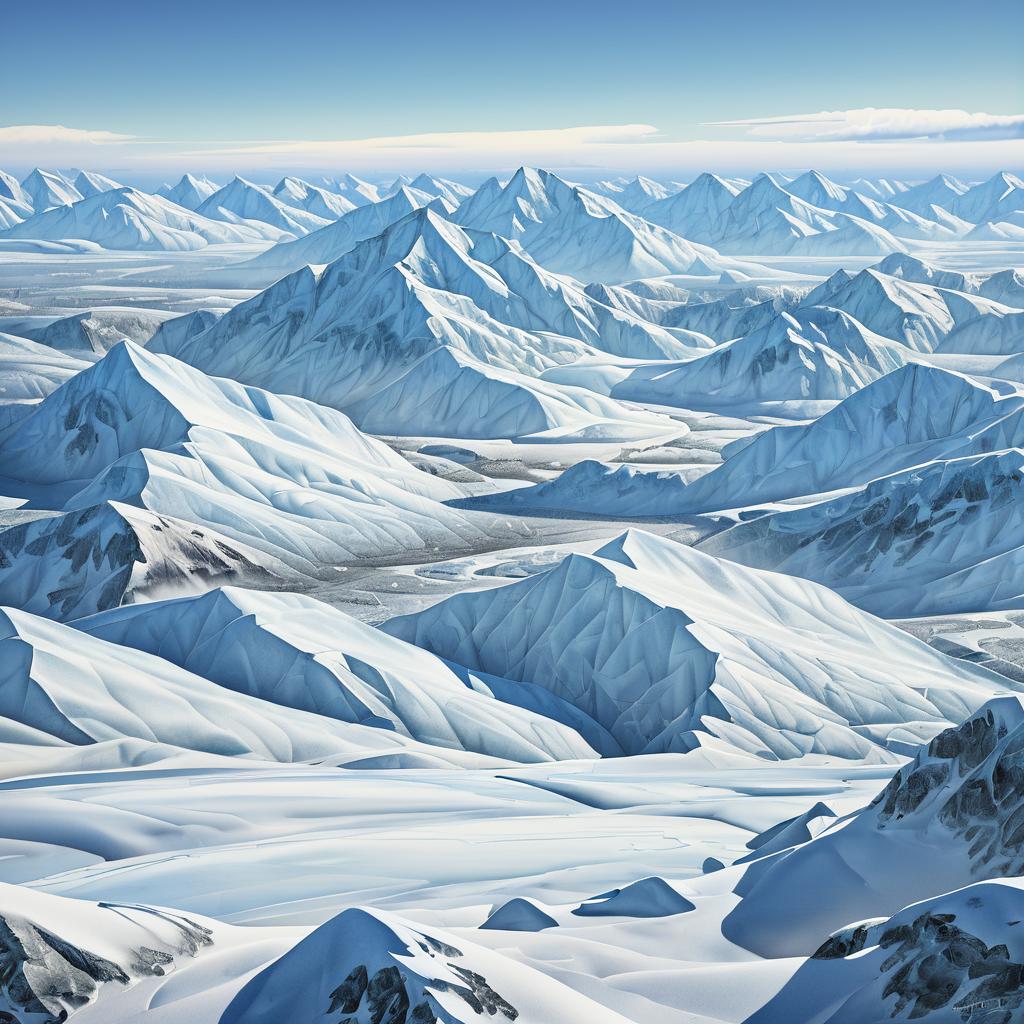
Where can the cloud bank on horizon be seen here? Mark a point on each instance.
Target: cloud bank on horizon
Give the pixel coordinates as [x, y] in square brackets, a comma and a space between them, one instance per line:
[863, 140]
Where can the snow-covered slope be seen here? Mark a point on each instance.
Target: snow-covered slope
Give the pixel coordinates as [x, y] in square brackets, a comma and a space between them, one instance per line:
[241, 202]
[59, 955]
[30, 371]
[910, 417]
[129, 219]
[999, 198]
[572, 231]
[286, 485]
[669, 649]
[296, 652]
[190, 191]
[452, 192]
[61, 687]
[944, 537]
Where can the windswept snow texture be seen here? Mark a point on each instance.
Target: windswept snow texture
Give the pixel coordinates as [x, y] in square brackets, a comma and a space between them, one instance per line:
[534, 599]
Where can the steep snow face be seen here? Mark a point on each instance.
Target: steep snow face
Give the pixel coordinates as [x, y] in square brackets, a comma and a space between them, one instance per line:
[276, 475]
[572, 231]
[669, 649]
[425, 311]
[908, 418]
[190, 191]
[57, 955]
[944, 537]
[692, 211]
[1006, 287]
[910, 268]
[65, 688]
[47, 189]
[354, 189]
[814, 353]
[298, 653]
[241, 202]
[637, 195]
[335, 240]
[950, 817]
[126, 218]
[11, 191]
[369, 967]
[304, 196]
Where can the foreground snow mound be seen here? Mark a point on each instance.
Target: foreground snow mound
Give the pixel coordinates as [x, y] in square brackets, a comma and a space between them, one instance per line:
[370, 967]
[63, 688]
[127, 218]
[263, 473]
[910, 417]
[649, 897]
[299, 653]
[573, 231]
[946, 959]
[57, 954]
[436, 331]
[667, 647]
[520, 915]
[950, 817]
[814, 353]
[944, 537]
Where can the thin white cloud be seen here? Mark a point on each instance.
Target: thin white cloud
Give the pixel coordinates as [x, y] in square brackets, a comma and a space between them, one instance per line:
[44, 135]
[869, 124]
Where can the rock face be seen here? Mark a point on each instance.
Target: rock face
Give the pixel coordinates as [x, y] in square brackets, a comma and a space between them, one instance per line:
[56, 954]
[370, 967]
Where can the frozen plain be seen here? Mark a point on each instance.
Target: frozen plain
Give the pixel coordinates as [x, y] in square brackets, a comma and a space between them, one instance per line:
[518, 614]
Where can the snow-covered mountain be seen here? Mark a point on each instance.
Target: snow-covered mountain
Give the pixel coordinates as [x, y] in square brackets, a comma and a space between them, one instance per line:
[190, 191]
[287, 486]
[241, 202]
[944, 537]
[317, 659]
[452, 192]
[126, 218]
[692, 211]
[47, 189]
[670, 649]
[332, 241]
[908, 418]
[90, 183]
[304, 196]
[814, 353]
[572, 231]
[428, 329]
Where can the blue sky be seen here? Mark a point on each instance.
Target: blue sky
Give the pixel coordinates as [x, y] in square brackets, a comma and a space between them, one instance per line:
[201, 76]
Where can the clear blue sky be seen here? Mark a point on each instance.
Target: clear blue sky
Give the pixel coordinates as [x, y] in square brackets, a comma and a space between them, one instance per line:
[203, 69]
